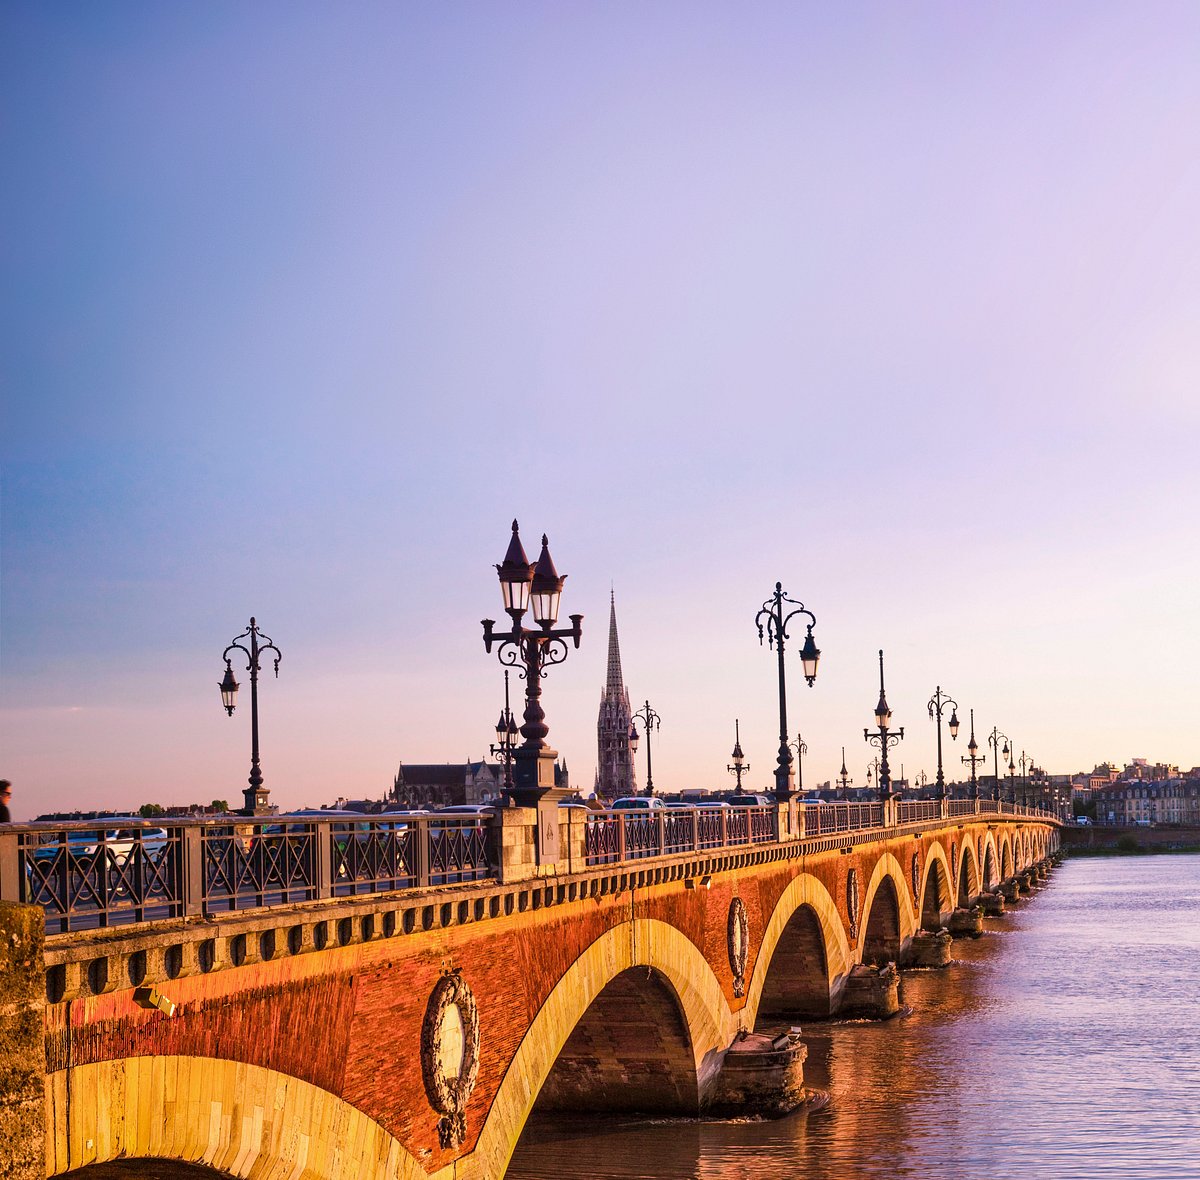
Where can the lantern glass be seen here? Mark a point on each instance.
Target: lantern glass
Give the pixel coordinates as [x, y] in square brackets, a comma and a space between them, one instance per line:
[545, 604]
[501, 729]
[229, 688]
[954, 724]
[810, 655]
[633, 739]
[515, 591]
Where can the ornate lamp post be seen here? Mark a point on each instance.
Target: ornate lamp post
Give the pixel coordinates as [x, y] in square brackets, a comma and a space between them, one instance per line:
[650, 720]
[843, 777]
[531, 651]
[974, 758]
[994, 739]
[255, 796]
[801, 748]
[1026, 765]
[872, 765]
[740, 765]
[883, 739]
[506, 739]
[774, 621]
[1012, 776]
[937, 703]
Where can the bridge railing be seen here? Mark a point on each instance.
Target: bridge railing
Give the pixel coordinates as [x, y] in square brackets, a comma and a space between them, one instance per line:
[909, 811]
[611, 837]
[85, 875]
[825, 818]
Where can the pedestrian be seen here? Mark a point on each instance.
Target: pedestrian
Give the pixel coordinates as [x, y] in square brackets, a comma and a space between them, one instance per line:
[5, 796]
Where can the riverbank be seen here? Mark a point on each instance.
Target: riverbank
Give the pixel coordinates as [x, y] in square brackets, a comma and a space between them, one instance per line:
[1127, 840]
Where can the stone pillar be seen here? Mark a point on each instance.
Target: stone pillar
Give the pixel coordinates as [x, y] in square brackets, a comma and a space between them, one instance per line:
[516, 843]
[992, 903]
[22, 1042]
[871, 992]
[929, 948]
[1011, 890]
[967, 922]
[760, 1075]
[889, 812]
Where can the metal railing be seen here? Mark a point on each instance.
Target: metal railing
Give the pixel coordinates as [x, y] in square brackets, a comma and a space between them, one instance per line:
[825, 818]
[611, 837]
[86, 876]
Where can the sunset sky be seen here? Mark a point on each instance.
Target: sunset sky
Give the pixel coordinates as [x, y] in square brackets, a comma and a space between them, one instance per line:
[303, 303]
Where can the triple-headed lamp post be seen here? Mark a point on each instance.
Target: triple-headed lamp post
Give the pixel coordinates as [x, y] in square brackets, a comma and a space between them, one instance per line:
[739, 766]
[844, 777]
[531, 651]
[937, 703]
[994, 740]
[974, 758]
[255, 794]
[772, 621]
[801, 748]
[506, 738]
[882, 738]
[650, 721]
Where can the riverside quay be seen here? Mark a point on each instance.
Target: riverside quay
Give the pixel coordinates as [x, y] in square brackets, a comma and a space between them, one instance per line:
[297, 997]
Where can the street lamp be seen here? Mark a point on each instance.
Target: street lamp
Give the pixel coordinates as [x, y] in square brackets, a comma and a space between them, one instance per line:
[506, 739]
[994, 739]
[740, 765]
[872, 765]
[650, 720]
[1026, 765]
[843, 777]
[974, 758]
[255, 795]
[1012, 776]
[937, 703]
[883, 739]
[775, 625]
[531, 651]
[801, 748]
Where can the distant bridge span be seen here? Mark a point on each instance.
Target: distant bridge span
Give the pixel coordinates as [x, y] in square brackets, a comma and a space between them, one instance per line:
[410, 1033]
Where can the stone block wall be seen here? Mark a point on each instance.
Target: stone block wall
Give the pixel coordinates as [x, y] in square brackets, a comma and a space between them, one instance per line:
[22, 1044]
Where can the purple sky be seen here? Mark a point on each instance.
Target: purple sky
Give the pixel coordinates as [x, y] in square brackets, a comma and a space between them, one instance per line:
[303, 304]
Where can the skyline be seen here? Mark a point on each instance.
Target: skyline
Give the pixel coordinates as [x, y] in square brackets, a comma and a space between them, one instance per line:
[893, 307]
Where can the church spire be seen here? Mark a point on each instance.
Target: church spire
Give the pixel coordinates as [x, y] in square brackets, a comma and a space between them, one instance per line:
[615, 682]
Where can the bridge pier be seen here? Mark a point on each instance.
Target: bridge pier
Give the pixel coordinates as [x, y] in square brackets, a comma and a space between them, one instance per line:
[1011, 890]
[992, 904]
[966, 922]
[929, 948]
[760, 1075]
[871, 992]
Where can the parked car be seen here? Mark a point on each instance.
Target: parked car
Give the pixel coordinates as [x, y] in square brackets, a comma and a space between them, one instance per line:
[681, 803]
[750, 801]
[637, 803]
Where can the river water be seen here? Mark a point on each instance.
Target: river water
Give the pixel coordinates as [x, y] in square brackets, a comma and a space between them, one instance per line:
[1063, 1044]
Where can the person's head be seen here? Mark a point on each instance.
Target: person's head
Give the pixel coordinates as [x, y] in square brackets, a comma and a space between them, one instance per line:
[5, 790]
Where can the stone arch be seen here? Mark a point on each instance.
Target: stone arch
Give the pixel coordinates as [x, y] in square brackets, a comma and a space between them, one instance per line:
[968, 886]
[630, 1053]
[795, 939]
[989, 863]
[253, 1122]
[937, 888]
[1006, 857]
[889, 921]
[646, 943]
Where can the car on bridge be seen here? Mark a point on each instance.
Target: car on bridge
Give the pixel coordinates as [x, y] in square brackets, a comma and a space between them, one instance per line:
[637, 803]
[750, 801]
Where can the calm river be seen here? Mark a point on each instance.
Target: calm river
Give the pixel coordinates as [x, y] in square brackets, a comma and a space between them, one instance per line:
[1064, 1043]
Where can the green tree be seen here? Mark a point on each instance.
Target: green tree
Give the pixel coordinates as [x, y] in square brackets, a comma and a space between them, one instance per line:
[219, 805]
[150, 810]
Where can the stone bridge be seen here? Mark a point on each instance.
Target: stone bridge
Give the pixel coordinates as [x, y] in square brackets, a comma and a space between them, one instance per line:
[410, 1034]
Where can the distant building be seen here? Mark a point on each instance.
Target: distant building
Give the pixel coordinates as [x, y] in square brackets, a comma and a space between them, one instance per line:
[1171, 801]
[614, 766]
[445, 784]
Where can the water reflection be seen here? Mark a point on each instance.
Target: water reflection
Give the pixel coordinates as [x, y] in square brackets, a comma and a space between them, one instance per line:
[1063, 1044]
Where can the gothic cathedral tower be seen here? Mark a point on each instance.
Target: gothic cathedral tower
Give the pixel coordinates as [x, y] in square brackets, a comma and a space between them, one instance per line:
[614, 769]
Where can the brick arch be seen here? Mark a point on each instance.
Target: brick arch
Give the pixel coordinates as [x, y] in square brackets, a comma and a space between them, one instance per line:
[989, 859]
[970, 883]
[237, 1118]
[804, 893]
[887, 867]
[937, 886]
[643, 943]
[1006, 857]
